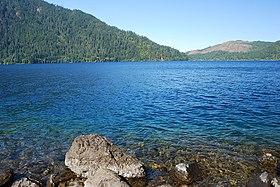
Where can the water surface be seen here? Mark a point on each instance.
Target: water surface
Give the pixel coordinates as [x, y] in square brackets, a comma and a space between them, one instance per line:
[139, 106]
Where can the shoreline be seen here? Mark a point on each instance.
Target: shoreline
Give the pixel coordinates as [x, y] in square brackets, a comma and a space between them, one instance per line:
[190, 60]
[216, 167]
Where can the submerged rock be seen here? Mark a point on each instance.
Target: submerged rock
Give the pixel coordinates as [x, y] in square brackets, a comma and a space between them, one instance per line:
[260, 181]
[89, 153]
[268, 159]
[275, 182]
[264, 177]
[25, 182]
[154, 165]
[186, 173]
[223, 183]
[5, 176]
[61, 177]
[105, 177]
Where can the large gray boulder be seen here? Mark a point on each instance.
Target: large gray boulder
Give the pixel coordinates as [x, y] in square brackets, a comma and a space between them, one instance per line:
[104, 177]
[92, 152]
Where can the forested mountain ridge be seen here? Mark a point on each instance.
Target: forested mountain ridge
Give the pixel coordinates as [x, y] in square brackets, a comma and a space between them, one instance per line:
[239, 50]
[34, 31]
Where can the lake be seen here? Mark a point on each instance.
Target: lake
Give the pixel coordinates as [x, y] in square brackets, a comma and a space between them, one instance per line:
[155, 110]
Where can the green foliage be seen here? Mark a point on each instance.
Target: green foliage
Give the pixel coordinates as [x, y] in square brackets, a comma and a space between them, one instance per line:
[33, 31]
[260, 51]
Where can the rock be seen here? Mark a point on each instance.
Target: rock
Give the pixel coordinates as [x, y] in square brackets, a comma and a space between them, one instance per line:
[105, 177]
[278, 169]
[24, 182]
[186, 173]
[75, 183]
[259, 181]
[165, 185]
[275, 182]
[154, 165]
[61, 176]
[64, 175]
[137, 182]
[268, 159]
[223, 183]
[264, 177]
[5, 176]
[91, 152]
[72, 183]
[50, 182]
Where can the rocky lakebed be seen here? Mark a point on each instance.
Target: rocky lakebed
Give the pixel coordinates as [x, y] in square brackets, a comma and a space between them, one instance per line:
[94, 161]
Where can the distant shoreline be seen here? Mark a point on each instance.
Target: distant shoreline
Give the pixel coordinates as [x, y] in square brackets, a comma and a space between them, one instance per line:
[271, 60]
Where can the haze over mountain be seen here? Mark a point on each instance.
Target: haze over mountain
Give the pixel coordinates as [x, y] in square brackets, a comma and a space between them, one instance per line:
[34, 31]
[239, 50]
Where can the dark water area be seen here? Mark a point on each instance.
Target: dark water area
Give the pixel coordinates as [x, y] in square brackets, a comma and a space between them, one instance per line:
[155, 110]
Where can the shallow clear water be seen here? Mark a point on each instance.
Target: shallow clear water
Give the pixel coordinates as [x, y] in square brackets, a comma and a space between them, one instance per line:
[138, 106]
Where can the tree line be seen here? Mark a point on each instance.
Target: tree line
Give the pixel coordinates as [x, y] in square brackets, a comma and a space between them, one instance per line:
[34, 31]
[260, 51]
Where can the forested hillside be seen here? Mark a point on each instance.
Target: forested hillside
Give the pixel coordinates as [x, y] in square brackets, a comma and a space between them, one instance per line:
[257, 50]
[34, 31]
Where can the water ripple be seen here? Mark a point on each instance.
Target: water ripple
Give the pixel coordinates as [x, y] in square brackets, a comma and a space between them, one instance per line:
[191, 105]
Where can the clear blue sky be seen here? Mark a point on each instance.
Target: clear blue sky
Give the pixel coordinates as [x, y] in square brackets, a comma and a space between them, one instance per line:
[188, 24]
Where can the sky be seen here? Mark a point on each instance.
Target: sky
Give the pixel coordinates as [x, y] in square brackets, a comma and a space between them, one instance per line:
[188, 24]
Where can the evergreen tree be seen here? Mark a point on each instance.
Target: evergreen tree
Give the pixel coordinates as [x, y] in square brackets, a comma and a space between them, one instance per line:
[34, 31]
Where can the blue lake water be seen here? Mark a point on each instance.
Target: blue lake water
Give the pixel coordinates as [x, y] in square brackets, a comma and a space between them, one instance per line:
[138, 106]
